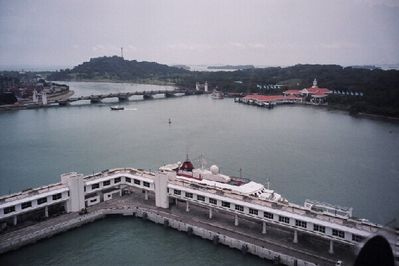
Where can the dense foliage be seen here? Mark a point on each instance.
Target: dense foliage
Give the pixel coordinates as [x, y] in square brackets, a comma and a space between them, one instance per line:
[380, 88]
[118, 69]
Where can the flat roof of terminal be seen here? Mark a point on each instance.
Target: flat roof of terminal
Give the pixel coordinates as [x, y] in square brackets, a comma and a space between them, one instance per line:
[30, 192]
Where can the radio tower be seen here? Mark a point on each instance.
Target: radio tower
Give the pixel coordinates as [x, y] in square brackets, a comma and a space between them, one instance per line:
[122, 52]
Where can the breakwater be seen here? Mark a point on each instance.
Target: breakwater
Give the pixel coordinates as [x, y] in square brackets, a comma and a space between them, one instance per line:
[57, 225]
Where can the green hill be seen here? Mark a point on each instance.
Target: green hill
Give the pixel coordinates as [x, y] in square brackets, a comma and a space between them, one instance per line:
[116, 68]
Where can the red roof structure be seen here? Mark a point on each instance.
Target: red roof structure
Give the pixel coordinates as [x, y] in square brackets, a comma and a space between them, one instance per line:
[271, 98]
[292, 92]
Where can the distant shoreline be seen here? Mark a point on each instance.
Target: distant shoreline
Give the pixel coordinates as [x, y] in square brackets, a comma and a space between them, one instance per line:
[144, 82]
[360, 115]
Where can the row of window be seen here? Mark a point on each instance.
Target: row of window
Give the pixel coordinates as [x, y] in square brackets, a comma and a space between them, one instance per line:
[338, 233]
[28, 204]
[224, 204]
[118, 180]
[283, 219]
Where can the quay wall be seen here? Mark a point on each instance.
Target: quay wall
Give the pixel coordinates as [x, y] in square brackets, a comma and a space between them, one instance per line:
[216, 237]
[17, 242]
[157, 217]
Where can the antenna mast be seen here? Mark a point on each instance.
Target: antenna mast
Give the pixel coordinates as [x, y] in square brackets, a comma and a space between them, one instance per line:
[122, 52]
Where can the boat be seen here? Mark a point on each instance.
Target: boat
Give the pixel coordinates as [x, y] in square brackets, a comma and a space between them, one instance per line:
[117, 108]
[244, 190]
[217, 94]
[213, 178]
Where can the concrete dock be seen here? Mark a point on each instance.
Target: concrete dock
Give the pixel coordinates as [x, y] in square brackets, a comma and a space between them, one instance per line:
[273, 243]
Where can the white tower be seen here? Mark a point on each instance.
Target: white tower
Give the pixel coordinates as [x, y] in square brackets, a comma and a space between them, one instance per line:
[197, 86]
[314, 83]
[44, 98]
[75, 183]
[161, 190]
[35, 99]
[206, 86]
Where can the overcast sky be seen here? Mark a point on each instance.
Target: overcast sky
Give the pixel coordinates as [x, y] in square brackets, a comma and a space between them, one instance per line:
[264, 32]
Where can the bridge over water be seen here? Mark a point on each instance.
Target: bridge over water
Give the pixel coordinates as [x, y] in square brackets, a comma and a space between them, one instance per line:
[124, 96]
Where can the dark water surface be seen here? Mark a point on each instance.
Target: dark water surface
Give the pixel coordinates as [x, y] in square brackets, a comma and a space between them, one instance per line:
[305, 152]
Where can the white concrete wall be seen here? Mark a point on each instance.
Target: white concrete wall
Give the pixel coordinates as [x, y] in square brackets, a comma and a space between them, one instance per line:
[93, 200]
[109, 195]
[161, 190]
[75, 183]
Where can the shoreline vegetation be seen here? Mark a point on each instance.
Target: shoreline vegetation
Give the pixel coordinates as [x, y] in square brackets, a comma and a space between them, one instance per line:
[360, 91]
[145, 82]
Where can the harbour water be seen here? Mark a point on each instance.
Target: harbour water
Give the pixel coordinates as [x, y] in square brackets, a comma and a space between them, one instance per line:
[304, 152]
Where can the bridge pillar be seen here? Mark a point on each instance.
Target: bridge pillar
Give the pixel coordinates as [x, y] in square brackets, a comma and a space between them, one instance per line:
[169, 95]
[331, 249]
[95, 100]
[123, 98]
[263, 227]
[15, 220]
[236, 220]
[146, 194]
[187, 206]
[46, 211]
[210, 213]
[148, 97]
[65, 103]
[295, 236]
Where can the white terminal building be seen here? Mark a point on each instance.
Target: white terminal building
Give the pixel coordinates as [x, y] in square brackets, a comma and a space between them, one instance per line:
[207, 188]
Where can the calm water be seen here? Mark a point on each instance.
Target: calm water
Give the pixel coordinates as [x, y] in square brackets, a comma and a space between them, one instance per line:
[305, 152]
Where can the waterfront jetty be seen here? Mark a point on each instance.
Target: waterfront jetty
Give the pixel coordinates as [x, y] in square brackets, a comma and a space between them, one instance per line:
[124, 96]
[271, 231]
[97, 98]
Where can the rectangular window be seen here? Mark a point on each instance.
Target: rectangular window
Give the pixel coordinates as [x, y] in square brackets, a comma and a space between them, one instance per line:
[25, 205]
[189, 195]
[95, 186]
[117, 180]
[300, 223]
[268, 215]
[57, 196]
[253, 211]
[225, 204]
[106, 183]
[213, 201]
[239, 208]
[146, 184]
[177, 192]
[356, 238]
[9, 209]
[319, 228]
[41, 201]
[201, 198]
[338, 233]
[284, 219]
[128, 179]
[137, 182]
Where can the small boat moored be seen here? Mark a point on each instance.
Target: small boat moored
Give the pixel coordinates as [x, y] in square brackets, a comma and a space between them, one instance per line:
[117, 108]
[217, 94]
